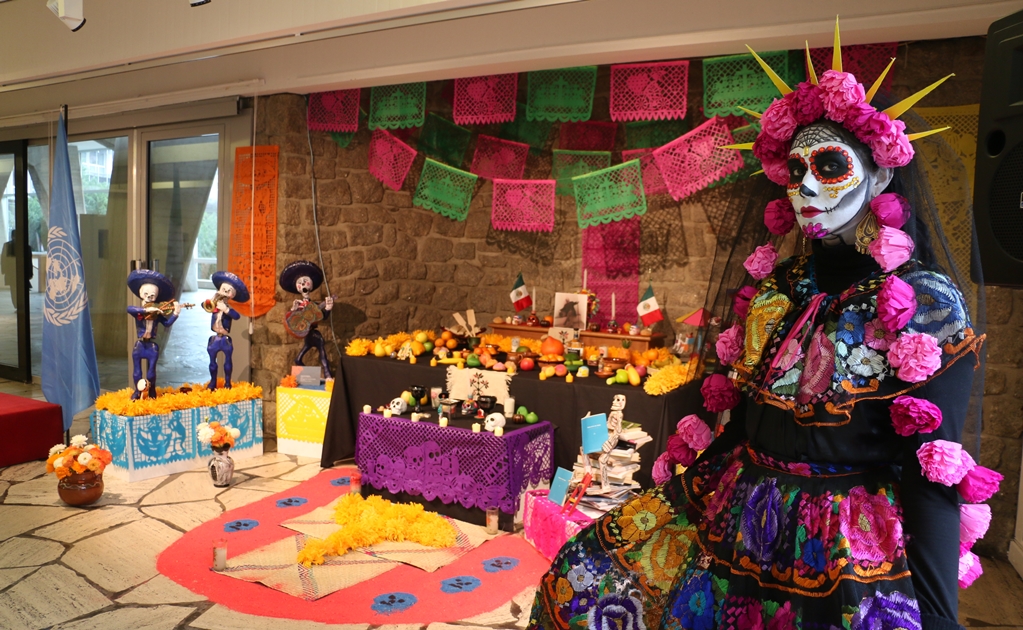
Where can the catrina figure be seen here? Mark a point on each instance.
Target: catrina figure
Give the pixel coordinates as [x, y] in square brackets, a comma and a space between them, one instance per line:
[303, 277]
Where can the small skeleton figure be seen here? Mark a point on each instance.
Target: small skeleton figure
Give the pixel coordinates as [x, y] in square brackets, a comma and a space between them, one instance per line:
[229, 287]
[304, 277]
[614, 429]
[158, 307]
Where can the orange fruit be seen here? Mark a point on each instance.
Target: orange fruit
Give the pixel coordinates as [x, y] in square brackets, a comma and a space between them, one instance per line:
[651, 354]
[446, 335]
[451, 343]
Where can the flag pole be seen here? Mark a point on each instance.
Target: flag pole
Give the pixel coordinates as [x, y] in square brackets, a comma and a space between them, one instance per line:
[63, 113]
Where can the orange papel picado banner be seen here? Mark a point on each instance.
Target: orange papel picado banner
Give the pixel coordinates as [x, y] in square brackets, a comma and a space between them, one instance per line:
[253, 255]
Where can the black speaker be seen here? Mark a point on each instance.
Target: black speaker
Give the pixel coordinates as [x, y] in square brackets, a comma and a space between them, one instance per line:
[998, 186]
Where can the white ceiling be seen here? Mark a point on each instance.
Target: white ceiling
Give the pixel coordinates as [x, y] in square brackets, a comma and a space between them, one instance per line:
[138, 53]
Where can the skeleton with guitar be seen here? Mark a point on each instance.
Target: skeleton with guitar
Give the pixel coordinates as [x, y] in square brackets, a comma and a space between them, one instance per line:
[302, 277]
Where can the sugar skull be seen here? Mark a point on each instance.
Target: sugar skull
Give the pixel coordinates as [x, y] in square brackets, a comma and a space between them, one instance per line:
[398, 406]
[494, 420]
[618, 402]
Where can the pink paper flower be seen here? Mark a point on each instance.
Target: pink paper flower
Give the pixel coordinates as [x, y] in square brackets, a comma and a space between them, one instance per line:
[695, 432]
[891, 248]
[890, 209]
[969, 569]
[761, 262]
[719, 393]
[980, 484]
[680, 452]
[892, 151]
[807, 103]
[779, 216]
[896, 303]
[778, 121]
[663, 469]
[916, 356]
[776, 170]
[875, 335]
[842, 92]
[857, 120]
[767, 146]
[814, 230]
[741, 300]
[730, 344]
[871, 525]
[911, 415]
[944, 462]
[973, 522]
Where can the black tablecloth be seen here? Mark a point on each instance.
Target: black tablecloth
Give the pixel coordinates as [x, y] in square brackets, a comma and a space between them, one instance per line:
[374, 381]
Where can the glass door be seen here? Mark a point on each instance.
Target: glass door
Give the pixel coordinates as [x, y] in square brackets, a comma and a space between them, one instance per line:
[182, 216]
[15, 265]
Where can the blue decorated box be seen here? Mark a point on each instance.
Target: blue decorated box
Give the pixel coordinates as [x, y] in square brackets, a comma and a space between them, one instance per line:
[151, 446]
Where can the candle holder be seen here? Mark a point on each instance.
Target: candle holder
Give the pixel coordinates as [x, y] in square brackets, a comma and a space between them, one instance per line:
[220, 554]
[492, 521]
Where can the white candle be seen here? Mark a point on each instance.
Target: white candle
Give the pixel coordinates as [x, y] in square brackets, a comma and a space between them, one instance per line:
[366, 409]
[387, 413]
[476, 427]
[498, 431]
[533, 295]
[220, 555]
[415, 417]
[443, 421]
[612, 306]
[509, 406]
[585, 277]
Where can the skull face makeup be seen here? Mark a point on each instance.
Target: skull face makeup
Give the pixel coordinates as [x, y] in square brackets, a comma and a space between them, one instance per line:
[148, 292]
[831, 182]
[304, 285]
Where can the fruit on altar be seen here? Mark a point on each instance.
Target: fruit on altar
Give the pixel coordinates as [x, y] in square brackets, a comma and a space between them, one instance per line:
[633, 376]
[379, 350]
[651, 354]
[407, 397]
[473, 361]
[451, 343]
[526, 364]
[499, 367]
[542, 376]
[611, 380]
[388, 348]
[552, 346]
[532, 418]
[522, 411]
[621, 376]
[412, 359]
[583, 372]
[428, 346]
[522, 349]
[417, 348]
[548, 320]
[519, 418]
[510, 367]
[560, 369]
[641, 370]
[446, 335]
[421, 337]
[433, 362]
[498, 320]
[548, 371]
[646, 332]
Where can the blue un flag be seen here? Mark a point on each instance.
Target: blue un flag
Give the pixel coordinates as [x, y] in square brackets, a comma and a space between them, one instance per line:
[70, 376]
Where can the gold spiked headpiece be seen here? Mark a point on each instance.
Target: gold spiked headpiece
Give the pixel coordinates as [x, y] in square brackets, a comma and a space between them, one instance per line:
[839, 97]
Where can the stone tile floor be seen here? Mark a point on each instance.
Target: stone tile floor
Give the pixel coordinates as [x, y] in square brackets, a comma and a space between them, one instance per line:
[69, 568]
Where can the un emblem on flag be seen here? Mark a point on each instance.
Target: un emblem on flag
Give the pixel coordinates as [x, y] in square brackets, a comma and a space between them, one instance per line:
[65, 280]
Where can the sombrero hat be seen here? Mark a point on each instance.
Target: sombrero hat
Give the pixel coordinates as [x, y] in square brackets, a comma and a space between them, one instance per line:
[240, 290]
[139, 277]
[296, 270]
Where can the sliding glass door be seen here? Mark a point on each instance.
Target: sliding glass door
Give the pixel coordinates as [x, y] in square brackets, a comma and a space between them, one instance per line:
[15, 264]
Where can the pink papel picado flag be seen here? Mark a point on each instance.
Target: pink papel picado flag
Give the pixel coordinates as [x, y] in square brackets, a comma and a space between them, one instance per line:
[520, 295]
[649, 310]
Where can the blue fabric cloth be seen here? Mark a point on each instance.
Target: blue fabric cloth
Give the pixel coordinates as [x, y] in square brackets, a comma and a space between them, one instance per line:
[69, 372]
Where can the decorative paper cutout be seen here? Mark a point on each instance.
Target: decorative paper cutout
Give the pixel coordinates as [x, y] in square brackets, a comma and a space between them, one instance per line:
[389, 159]
[256, 266]
[485, 100]
[651, 134]
[567, 164]
[653, 182]
[611, 258]
[649, 91]
[865, 62]
[496, 158]
[444, 140]
[751, 164]
[334, 111]
[397, 106]
[342, 139]
[963, 121]
[587, 136]
[729, 82]
[561, 95]
[611, 194]
[445, 190]
[532, 132]
[523, 205]
[694, 161]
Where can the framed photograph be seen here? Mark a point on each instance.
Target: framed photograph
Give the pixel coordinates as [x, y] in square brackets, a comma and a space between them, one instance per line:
[570, 310]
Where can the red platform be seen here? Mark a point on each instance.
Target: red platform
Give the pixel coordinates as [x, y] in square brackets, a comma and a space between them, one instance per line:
[30, 427]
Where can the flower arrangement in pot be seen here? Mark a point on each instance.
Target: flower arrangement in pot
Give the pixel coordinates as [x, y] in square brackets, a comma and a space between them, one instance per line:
[221, 438]
[79, 469]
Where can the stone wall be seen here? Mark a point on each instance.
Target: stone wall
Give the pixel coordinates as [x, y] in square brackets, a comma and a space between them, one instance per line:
[396, 267]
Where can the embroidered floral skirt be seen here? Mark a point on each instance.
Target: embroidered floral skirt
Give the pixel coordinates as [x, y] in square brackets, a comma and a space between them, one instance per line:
[740, 541]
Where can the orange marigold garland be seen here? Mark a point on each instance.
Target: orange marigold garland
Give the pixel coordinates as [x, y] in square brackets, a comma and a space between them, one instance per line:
[169, 399]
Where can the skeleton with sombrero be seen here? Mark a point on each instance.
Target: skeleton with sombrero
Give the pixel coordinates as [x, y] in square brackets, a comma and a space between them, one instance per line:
[229, 287]
[158, 307]
[304, 277]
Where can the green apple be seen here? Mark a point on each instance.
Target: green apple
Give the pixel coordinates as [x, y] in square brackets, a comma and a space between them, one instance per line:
[532, 418]
[621, 376]
[523, 349]
[522, 411]
[428, 346]
[474, 361]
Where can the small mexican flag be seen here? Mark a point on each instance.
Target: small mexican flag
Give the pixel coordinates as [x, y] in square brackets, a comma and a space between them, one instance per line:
[649, 311]
[520, 295]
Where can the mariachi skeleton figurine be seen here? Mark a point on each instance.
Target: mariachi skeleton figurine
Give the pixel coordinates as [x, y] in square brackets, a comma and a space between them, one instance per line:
[158, 307]
[303, 277]
[229, 287]
[614, 429]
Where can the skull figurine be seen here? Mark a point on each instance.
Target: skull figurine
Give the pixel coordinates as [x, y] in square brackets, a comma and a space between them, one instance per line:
[398, 406]
[618, 402]
[494, 420]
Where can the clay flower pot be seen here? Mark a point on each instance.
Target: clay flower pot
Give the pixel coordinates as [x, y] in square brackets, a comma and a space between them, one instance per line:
[78, 489]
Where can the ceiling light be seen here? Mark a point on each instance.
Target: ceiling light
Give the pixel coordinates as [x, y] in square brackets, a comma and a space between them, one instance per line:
[70, 12]
[198, 3]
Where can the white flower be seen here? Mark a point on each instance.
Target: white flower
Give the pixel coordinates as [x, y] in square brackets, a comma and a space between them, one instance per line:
[84, 458]
[56, 448]
[80, 441]
[865, 362]
[206, 434]
[63, 462]
[236, 433]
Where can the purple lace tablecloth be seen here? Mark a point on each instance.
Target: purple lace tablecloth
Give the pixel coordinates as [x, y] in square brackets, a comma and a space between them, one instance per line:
[478, 470]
